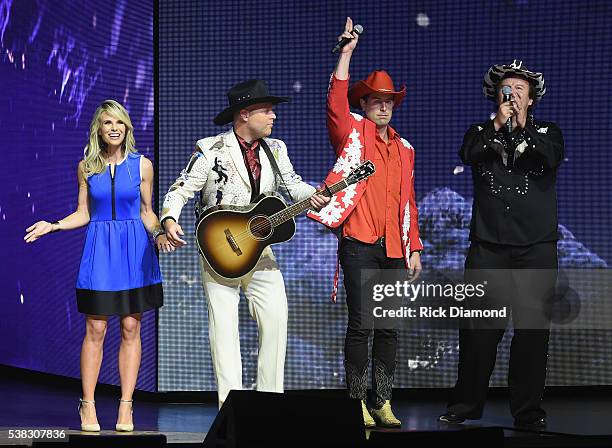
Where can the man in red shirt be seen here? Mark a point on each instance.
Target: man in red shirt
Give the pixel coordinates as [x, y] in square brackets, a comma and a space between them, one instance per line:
[378, 218]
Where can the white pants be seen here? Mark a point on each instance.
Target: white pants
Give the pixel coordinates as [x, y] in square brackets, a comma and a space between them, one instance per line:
[264, 289]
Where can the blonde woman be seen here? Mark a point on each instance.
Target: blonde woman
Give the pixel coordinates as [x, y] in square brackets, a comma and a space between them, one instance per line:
[119, 272]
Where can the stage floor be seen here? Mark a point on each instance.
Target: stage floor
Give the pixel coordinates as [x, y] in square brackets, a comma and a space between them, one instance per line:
[30, 403]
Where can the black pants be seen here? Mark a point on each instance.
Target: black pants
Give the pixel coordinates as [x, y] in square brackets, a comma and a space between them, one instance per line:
[355, 257]
[536, 267]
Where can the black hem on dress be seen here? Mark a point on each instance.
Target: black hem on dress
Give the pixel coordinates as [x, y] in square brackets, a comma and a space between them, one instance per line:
[120, 303]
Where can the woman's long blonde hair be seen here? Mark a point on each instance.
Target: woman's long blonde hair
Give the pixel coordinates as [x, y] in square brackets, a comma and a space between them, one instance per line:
[94, 151]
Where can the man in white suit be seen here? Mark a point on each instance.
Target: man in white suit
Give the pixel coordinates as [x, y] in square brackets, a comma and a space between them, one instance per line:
[230, 169]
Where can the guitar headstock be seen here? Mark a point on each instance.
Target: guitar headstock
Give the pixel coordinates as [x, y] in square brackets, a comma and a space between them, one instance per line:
[363, 171]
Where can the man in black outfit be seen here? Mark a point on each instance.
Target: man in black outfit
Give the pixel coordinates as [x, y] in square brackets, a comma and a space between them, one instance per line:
[514, 160]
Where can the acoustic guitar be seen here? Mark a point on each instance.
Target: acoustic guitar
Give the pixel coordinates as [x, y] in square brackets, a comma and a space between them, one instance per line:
[232, 238]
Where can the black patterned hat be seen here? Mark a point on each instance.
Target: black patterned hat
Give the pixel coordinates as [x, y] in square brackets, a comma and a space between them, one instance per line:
[498, 72]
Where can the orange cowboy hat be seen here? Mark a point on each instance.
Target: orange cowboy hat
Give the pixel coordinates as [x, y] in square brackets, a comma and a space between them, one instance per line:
[378, 81]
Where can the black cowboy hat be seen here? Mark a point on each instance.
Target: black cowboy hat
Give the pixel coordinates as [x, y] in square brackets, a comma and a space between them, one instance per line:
[245, 94]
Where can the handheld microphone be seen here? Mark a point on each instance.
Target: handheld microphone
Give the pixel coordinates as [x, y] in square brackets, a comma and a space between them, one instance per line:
[357, 29]
[507, 91]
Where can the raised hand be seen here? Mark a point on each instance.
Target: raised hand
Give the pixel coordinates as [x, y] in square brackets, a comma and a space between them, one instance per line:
[348, 33]
[521, 114]
[506, 110]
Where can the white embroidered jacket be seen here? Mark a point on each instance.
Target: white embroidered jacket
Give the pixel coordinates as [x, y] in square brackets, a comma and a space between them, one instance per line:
[217, 170]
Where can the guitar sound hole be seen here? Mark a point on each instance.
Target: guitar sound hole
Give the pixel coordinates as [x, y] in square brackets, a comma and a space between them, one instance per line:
[260, 227]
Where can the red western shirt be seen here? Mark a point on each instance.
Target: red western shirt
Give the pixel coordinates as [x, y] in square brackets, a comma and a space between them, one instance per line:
[377, 214]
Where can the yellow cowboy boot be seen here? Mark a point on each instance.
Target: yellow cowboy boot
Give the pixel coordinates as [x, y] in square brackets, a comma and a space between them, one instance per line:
[384, 417]
[368, 421]
[357, 383]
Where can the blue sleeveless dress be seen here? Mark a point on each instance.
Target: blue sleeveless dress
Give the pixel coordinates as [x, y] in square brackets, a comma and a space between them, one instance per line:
[119, 272]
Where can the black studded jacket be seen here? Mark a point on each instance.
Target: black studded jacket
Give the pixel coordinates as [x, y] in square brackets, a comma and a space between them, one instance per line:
[515, 198]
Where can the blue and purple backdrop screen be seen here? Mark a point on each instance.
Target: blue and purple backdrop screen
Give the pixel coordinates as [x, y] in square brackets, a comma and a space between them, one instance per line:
[441, 50]
[58, 61]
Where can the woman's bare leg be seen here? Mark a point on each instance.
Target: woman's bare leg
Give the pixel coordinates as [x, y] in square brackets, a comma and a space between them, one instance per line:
[91, 360]
[129, 363]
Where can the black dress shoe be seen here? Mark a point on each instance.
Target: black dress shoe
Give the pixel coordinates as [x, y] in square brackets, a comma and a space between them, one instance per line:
[539, 423]
[451, 418]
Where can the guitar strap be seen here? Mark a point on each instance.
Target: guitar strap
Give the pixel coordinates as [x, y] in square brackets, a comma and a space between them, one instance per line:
[275, 168]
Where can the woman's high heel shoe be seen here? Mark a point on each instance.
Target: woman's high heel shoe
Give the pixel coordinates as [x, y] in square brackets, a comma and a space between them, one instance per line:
[126, 427]
[90, 427]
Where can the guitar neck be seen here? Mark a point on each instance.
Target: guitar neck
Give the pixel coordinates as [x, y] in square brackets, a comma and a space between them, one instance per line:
[303, 205]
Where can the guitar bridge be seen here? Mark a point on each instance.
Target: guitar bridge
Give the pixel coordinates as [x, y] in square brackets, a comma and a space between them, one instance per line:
[232, 242]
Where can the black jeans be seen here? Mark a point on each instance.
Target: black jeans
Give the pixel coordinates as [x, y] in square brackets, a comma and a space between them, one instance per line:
[354, 257]
[529, 347]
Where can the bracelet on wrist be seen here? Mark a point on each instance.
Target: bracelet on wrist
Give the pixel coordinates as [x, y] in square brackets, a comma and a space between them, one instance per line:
[56, 229]
[162, 222]
[158, 232]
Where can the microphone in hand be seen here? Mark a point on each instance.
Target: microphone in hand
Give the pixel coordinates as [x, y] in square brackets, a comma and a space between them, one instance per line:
[357, 30]
[507, 92]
